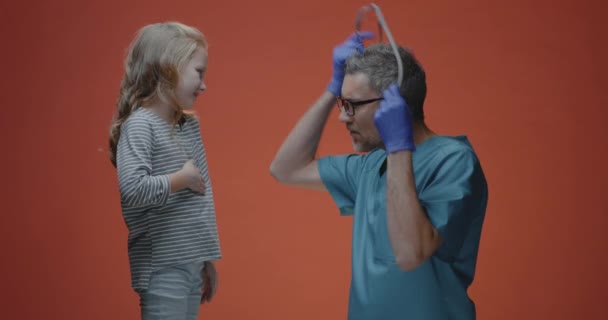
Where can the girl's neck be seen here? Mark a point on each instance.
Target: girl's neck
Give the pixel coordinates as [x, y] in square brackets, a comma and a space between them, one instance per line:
[162, 109]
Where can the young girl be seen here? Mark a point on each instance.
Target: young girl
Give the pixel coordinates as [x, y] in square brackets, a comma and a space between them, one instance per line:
[166, 194]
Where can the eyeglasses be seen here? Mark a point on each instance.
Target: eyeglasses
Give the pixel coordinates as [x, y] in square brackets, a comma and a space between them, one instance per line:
[349, 106]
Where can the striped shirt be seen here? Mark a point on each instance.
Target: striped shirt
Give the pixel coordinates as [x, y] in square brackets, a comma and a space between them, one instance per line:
[165, 229]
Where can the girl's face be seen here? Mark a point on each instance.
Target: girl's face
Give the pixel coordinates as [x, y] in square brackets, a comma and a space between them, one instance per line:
[191, 78]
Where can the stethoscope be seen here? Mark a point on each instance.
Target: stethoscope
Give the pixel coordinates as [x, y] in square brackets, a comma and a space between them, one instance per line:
[381, 26]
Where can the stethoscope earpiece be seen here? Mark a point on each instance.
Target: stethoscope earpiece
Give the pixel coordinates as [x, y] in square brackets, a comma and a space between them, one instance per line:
[382, 26]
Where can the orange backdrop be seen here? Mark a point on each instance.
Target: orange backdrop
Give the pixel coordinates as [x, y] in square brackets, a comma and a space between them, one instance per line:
[525, 80]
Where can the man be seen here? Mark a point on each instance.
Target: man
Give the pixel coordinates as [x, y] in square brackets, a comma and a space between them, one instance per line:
[418, 198]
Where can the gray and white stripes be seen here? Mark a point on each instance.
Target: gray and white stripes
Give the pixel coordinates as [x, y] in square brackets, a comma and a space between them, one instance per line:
[164, 229]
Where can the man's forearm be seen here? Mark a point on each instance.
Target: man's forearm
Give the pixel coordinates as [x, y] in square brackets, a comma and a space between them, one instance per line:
[413, 237]
[300, 147]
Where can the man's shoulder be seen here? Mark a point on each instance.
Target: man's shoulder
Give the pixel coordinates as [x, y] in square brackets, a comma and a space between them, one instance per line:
[449, 146]
[442, 154]
[365, 161]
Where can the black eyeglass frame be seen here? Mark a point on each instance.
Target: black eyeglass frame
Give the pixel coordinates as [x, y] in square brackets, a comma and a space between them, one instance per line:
[349, 106]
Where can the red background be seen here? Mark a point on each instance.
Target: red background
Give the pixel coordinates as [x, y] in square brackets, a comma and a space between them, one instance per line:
[525, 80]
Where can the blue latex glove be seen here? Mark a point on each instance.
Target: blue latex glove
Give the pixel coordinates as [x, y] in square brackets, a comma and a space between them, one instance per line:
[394, 122]
[353, 43]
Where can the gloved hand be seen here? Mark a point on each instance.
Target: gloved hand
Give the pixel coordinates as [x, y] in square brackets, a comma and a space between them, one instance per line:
[341, 52]
[394, 122]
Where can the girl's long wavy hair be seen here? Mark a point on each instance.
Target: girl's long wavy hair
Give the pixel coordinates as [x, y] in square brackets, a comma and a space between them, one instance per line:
[152, 71]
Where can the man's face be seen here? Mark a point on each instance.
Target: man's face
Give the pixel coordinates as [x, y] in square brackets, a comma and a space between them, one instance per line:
[363, 132]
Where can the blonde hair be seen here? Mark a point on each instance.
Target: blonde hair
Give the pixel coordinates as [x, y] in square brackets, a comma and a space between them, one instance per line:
[152, 71]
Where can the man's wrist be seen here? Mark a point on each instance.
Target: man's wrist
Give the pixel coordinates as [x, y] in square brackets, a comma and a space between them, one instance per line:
[401, 146]
[334, 87]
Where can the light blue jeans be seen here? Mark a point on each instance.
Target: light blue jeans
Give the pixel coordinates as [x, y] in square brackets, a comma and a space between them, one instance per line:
[173, 294]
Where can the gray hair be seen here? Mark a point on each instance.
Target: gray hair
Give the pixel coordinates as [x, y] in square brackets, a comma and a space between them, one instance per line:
[379, 64]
